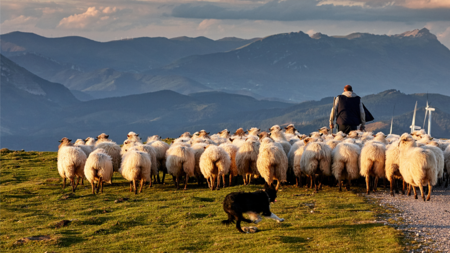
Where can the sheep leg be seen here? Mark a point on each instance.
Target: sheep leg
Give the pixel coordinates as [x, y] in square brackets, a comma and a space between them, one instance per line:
[367, 184]
[134, 186]
[223, 179]
[313, 177]
[142, 184]
[164, 176]
[82, 181]
[101, 185]
[218, 182]
[231, 180]
[150, 184]
[213, 182]
[72, 183]
[186, 181]
[392, 186]
[403, 186]
[340, 185]
[131, 186]
[177, 182]
[157, 178]
[78, 182]
[249, 181]
[448, 179]
[347, 187]
[384, 182]
[415, 193]
[311, 183]
[429, 191]
[409, 190]
[64, 183]
[296, 181]
[93, 187]
[421, 192]
[375, 184]
[98, 184]
[278, 185]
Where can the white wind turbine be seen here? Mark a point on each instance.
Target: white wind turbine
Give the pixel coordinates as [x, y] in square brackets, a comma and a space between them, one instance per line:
[413, 125]
[428, 110]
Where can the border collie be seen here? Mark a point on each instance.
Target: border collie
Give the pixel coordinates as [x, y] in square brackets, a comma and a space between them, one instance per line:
[253, 203]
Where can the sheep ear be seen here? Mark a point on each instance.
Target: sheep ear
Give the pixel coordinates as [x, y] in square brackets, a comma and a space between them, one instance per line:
[107, 136]
[137, 134]
[230, 139]
[128, 135]
[70, 140]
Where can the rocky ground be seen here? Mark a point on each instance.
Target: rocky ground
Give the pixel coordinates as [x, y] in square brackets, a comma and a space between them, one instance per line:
[426, 223]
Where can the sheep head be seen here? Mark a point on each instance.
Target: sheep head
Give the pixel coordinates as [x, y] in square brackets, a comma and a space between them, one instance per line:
[290, 129]
[275, 128]
[65, 142]
[240, 132]
[406, 141]
[263, 135]
[102, 136]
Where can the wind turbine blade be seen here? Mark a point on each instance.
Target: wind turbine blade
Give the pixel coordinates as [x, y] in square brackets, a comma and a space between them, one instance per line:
[413, 125]
[425, 119]
[392, 122]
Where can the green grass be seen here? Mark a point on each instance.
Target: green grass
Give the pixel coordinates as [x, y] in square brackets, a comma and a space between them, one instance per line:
[162, 219]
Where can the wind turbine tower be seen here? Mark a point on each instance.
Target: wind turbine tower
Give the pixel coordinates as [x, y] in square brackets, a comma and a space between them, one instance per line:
[429, 110]
[413, 125]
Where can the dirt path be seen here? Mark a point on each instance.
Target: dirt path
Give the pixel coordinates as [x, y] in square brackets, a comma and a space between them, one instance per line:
[428, 222]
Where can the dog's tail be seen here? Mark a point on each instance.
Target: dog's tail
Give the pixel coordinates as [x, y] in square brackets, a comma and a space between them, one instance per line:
[227, 222]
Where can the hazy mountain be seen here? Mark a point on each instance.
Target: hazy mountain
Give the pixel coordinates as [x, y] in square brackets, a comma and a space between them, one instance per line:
[298, 67]
[26, 98]
[130, 55]
[169, 114]
[103, 83]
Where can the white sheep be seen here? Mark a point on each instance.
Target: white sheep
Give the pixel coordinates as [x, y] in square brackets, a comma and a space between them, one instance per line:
[112, 149]
[439, 155]
[296, 156]
[246, 158]
[272, 162]
[79, 142]
[254, 131]
[345, 163]
[136, 166]
[215, 163]
[417, 165]
[198, 148]
[71, 162]
[87, 149]
[289, 132]
[127, 144]
[316, 159]
[278, 136]
[373, 157]
[392, 169]
[221, 137]
[98, 168]
[232, 151]
[180, 161]
[132, 136]
[160, 148]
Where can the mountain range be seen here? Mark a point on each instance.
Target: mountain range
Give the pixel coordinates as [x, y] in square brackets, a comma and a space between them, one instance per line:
[37, 113]
[292, 67]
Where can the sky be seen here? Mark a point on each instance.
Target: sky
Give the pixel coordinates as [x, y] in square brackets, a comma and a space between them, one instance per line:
[106, 20]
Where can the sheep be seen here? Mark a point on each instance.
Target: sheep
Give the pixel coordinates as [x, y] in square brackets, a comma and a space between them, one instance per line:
[373, 155]
[316, 135]
[186, 135]
[231, 150]
[180, 161]
[392, 166]
[79, 142]
[112, 149]
[198, 148]
[417, 165]
[278, 136]
[240, 132]
[417, 135]
[296, 156]
[443, 144]
[127, 144]
[439, 155]
[87, 149]
[71, 162]
[324, 131]
[353, 134]
[345, 163]
[102, 138]
[380, 137]
[98, 168]
[215, 162]
[132, 136]
[246, 158]
[221, 137]
[290, 132]
[136, 166]
[254, 131]
[291, 153]
[160, 148]
[333, 143]
[272, 162]
[447, 164]
[316, 159]
[263, 135]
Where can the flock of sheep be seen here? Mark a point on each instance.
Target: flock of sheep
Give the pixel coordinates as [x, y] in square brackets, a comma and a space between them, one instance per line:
[417, 159]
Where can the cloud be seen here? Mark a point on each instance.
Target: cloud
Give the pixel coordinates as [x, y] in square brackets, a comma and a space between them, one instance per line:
[294, 10]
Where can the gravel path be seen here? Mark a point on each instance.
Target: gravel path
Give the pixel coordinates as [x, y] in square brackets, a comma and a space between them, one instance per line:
[427, 222]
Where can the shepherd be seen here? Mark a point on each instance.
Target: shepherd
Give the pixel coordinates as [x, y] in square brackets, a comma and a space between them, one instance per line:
[348, 112]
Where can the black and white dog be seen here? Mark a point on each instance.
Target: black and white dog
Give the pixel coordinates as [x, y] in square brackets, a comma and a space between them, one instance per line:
[253, 203]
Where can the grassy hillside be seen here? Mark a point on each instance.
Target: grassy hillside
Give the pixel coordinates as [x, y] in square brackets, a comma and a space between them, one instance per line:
[162, 219]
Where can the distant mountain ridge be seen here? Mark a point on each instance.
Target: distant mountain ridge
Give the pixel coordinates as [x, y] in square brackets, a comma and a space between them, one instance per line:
[295, 66]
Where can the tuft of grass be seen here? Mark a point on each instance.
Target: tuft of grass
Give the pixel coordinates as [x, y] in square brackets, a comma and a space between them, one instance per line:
[162, 219]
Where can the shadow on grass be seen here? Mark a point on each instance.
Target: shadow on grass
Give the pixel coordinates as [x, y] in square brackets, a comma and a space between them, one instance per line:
[69, 238]
[204, 199]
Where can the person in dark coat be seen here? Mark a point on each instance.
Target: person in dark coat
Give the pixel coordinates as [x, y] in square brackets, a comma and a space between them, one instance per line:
[348, 111]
